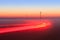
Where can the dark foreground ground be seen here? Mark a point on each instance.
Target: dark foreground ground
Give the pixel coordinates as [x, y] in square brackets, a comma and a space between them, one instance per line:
[52, 34]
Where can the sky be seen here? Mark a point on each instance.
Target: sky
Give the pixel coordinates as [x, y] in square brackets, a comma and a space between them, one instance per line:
[29, 8]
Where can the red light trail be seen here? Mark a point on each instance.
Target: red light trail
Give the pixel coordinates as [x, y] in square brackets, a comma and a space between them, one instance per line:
[32, 25]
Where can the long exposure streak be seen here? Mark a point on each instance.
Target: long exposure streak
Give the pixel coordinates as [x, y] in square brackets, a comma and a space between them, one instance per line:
[12, 29]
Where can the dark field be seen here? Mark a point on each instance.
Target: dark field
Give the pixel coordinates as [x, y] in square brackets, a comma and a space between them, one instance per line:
[34, 34]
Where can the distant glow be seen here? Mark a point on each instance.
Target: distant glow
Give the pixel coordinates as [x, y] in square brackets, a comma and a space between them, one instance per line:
[42, 24]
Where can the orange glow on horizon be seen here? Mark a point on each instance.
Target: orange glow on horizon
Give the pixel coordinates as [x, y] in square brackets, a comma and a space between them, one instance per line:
[29, 12]
[29, 15]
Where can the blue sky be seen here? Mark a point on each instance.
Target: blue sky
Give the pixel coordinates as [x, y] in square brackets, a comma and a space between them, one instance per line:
[29, 2]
